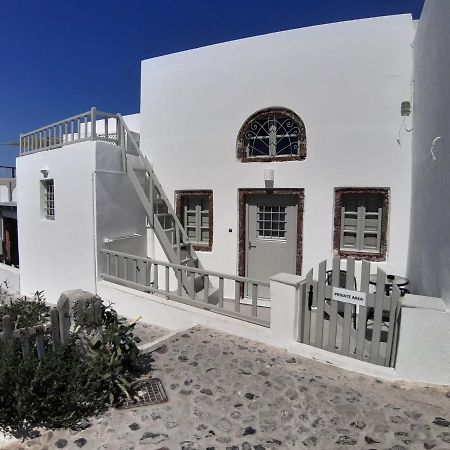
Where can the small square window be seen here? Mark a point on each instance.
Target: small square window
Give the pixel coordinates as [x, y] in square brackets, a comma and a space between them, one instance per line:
[48, 199]
[195, 212]
[360, 223]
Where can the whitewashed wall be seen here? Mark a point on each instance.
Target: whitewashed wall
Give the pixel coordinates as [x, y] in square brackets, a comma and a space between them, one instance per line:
[345, 80]
[57, 255]
[429, 255]
[9, 278]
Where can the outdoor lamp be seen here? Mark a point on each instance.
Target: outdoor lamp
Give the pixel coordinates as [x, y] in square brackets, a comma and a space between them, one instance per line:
[269, 177]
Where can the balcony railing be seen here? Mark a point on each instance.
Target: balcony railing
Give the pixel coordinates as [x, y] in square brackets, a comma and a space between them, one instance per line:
[89, 126]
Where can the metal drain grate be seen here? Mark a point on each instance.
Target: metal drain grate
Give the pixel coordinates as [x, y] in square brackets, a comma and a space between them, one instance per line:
[146, 392]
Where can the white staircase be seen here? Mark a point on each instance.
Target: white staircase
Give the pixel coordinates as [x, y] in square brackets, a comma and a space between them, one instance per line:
[160, 214]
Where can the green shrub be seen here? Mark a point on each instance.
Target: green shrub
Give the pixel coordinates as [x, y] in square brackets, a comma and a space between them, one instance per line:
[90, 372]
[25, 312]
[57, 391]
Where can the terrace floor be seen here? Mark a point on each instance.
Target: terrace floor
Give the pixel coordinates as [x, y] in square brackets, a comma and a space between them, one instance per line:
[231, 393]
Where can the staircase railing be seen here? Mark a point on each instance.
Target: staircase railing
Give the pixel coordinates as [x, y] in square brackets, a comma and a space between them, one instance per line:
[153, 276]
[161, 215]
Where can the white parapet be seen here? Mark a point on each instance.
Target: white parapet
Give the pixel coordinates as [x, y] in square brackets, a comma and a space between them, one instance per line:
[424, 345]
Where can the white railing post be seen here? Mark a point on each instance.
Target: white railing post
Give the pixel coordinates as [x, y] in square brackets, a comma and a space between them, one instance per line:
[93, 124]
[122, 141]
[284, 312]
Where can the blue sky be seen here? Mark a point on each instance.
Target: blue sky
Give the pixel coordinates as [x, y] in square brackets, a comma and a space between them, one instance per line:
[59, 58]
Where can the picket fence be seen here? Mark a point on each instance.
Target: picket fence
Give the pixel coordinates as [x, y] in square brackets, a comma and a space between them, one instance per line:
[32, 338]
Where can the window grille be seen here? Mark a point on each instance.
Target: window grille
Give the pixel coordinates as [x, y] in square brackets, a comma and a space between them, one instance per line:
[271, 222]
[275, 133]
[361, 222]
[48, 199]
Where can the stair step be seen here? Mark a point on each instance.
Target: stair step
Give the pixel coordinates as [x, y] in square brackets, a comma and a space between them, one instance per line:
[182, 245]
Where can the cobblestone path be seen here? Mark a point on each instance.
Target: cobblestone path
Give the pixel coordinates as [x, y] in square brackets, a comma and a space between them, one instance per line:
[231, 393]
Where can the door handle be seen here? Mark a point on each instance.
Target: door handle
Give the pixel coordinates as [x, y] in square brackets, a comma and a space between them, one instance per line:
[250, 246]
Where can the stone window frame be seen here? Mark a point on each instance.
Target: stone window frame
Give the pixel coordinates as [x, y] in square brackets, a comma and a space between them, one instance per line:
[240, 151]
[357, 254]
[180, 197]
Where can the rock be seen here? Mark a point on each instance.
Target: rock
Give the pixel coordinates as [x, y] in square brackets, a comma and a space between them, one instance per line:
[441, 422]
[134, 426]
[188, 382]
[370, 440]
[286, 415]
[182, 358]
[246, 446]
[60, 443]
[291, 360]
[188, 445]
[397, 419]
[250, 396]
[428, 445]
[85, 308]
[259, 447]
[171, 425]
[401, 433]
[445, 436]
[185, 392]
[237, 405]
[310, 442]
[80, 442]
[318, 422]
[206, 391]
[154, 438]
[358, 425]
[248, 430]
[346, 440]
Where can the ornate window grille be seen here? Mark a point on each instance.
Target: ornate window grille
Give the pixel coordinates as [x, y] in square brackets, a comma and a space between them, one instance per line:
[272, 134]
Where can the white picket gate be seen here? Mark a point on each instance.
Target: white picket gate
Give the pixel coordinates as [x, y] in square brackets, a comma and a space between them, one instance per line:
[368, 333]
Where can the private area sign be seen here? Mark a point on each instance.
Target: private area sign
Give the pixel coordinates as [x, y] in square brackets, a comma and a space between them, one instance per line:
[348, 296]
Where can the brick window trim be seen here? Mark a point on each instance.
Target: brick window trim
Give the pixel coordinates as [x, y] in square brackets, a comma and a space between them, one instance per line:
[368, 256]
[180, 202]
[266, 111]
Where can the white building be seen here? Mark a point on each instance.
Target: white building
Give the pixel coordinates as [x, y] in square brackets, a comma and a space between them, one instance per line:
[275, 152]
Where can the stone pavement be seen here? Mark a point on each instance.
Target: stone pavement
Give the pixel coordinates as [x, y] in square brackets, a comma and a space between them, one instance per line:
[231, 393]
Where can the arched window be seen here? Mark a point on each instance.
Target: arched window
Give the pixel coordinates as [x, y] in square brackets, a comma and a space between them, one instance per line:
[272, 134]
